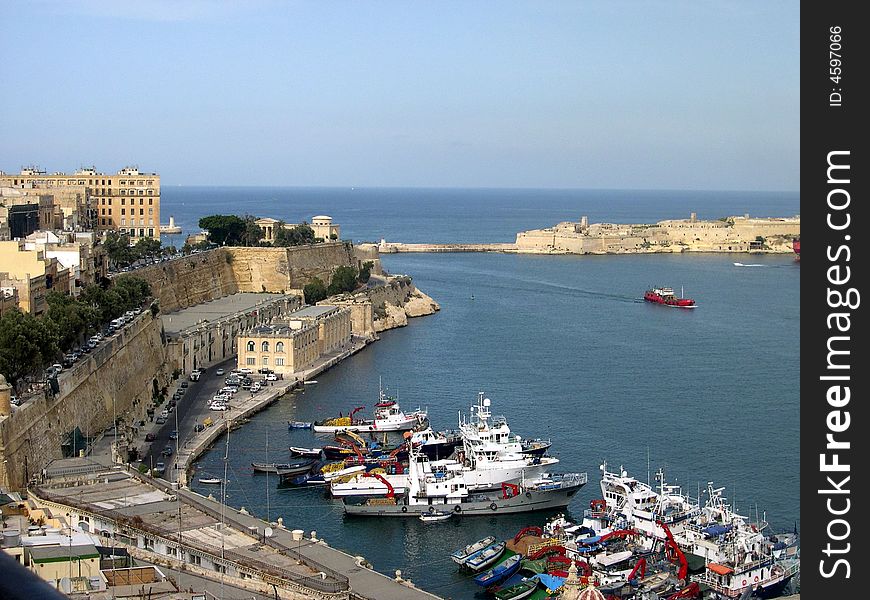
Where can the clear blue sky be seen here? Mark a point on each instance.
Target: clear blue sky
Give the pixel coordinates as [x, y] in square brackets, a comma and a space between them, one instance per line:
[694, 94]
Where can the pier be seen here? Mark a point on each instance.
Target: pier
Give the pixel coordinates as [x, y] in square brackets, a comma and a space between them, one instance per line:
[398, 247]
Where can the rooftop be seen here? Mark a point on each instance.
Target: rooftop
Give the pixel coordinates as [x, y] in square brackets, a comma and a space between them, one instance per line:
[214, 310]
[311, 312]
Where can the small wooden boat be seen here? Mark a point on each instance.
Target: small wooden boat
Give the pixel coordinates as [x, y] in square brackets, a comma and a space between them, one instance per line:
[298, 425]
[435, 517]
[523, 589]
[463, 554]
[292, 468]
[485, 557]
[500, 572]
[211, 480]
[306, 452]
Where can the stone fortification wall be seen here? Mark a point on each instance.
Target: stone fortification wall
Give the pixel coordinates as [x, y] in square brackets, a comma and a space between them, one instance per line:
[183, 282]
[116, 379]
[285, 269]
[191, 280]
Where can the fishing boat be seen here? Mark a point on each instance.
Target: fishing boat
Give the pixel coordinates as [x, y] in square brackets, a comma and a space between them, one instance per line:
[388, 417]
[665, 296]
[435, 517]
[434, 444]
[306, 452]
[369, 483]
[500, 572]
[291, 468]
[523, 589]
[535, 447]
[491, 454]
[441, 485]
[486, 557]
[463, 554]
[210, 480]
[298, 425]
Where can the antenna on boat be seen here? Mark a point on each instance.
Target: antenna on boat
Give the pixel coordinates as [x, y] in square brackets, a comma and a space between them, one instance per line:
[647, 465]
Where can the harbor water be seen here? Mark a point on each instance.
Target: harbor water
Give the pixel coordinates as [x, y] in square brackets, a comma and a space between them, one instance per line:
[563, 345]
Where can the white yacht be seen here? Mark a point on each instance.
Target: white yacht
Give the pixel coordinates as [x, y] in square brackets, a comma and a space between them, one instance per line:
[492, 455]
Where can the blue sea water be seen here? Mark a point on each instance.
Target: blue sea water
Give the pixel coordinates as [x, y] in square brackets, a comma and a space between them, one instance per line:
[562, 345]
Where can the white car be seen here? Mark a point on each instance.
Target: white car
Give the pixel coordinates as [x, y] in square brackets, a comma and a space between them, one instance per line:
[219, 372]
[246, 370]
[271, 377]
[256, 388]
[220, 398]
[217, 406]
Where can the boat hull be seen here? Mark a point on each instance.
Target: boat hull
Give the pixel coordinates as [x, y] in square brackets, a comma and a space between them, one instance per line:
[482, 505]
[367, 427]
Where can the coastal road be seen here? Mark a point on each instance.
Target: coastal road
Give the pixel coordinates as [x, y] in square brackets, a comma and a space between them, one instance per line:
[191, 409]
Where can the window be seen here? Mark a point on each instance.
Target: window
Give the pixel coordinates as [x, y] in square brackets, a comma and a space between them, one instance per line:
[264, 347]
[123, 221]
[123, 192]
[122, 211]
[141, 211]
[279, 362]
[150, 210]
[250, 346]
[150, 201]
[265, 360]
[150, 232]
[279, 347]
[251, 361]
[122, 202]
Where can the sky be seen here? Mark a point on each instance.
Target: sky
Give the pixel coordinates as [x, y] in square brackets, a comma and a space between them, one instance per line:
[693, 94]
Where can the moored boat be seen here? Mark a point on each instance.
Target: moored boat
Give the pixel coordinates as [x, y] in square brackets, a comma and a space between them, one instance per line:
[463, 554]
[523, 589]
[665, 296]
[435, 517]
[298, 425]
[484, 558]
[500, 572]
[388, 417]
[211, 480]
[306, 452]
[291, 468]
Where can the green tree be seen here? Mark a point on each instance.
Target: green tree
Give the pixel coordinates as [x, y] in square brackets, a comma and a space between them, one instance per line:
[70, 317]
[147, 248]
[223, 230]
[27, 344]
[365, 271]
[344, 279]
[294, 236]
[118, 249]
[315, 291]
[252, 233]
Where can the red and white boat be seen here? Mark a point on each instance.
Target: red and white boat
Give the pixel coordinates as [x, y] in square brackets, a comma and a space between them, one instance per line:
[665, 295]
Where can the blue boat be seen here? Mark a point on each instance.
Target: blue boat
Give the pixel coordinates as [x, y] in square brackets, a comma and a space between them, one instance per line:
[298, 425]
[500, 572]
[482, 559]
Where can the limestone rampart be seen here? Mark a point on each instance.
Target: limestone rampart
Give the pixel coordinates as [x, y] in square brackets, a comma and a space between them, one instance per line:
[115, 380]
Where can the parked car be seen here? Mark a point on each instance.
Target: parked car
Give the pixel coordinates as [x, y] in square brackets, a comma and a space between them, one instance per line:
[173, 435]
[183, 384]
[256, 387]
[159, 468]
[264, 370]
[217, 406]
[160, 420]
[219, 372]
[271, 377]
[57, 367]
[194, 375]
[150, 437]
[198, 427]
[246, 370]
[167, 451]
[16, 400]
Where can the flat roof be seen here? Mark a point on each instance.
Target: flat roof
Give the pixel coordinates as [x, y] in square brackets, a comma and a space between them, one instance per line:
[51, 553]
[214, 310]
[311, 312]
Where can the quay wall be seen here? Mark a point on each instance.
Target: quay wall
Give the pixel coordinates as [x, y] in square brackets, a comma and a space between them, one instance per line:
[116, 380]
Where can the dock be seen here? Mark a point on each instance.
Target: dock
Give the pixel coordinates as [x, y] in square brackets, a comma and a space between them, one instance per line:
[397, 247]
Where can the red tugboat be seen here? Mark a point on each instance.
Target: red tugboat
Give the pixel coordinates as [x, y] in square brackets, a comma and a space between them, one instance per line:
[796, 246]
[665, 295]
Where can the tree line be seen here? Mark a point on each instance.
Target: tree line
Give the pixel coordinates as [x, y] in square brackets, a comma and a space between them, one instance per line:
[28, 343]
[231, 230]
[344, 279]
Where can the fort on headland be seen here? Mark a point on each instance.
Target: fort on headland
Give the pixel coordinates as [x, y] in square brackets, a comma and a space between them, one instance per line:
[737, 234]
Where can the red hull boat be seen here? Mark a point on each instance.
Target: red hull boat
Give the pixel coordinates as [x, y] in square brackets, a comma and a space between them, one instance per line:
[796, 246]
[665, 295]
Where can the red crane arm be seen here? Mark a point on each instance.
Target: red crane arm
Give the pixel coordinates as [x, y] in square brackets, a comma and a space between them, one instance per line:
[673, 552]
[640, 566]
[391, 493]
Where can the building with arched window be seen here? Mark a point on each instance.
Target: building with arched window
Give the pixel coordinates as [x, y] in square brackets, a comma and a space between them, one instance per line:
[295, 341]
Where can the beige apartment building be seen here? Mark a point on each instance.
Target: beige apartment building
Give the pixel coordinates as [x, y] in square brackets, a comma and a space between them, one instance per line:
[31, 274]
[297, 341]
[128, 202]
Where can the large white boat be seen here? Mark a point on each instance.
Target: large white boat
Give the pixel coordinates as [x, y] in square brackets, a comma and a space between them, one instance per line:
[388, 417]
[491, 454]
[440, 486]
[369, 484]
